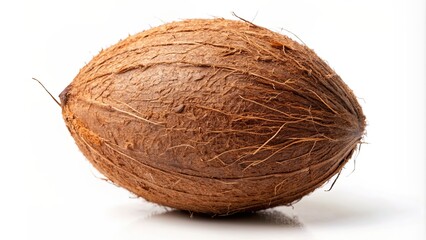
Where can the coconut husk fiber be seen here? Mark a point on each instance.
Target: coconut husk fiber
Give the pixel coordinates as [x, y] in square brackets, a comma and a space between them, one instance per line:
[213, 116]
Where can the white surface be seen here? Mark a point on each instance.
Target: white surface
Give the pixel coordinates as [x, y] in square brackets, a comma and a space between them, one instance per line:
[49, 191]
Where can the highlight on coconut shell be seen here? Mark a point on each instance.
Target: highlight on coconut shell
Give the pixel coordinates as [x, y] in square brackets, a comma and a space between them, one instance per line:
[213, 116]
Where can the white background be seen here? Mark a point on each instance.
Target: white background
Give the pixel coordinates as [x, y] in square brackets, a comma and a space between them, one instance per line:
[49, 191]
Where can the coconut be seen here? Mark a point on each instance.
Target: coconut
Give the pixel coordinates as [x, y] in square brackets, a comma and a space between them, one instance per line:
[213, 116]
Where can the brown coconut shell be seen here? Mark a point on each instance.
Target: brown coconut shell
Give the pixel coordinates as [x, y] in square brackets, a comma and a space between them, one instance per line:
[213, 116]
